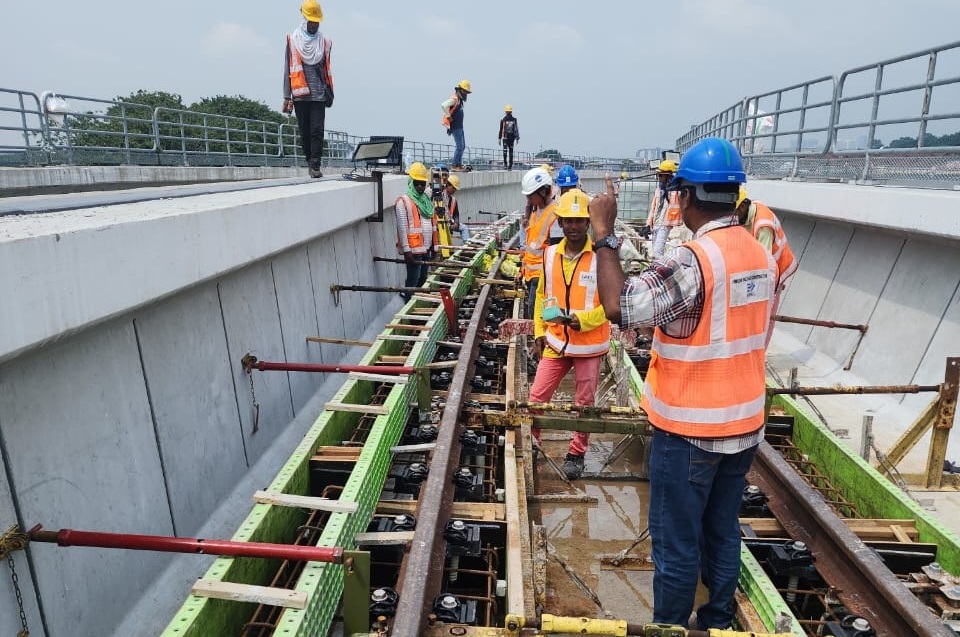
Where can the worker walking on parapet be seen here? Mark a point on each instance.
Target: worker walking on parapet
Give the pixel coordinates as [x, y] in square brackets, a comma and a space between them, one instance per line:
[664, 208]
[416, 227]
[453, 208]
[570, 326]
[509, 135]
[453, 121]
[760, 221]
[308, 83]
[709, 301]
[537, 229]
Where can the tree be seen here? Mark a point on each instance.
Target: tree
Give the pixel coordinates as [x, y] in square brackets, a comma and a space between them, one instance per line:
[225, 116]
[237, 106]
[106, 130]
[549, 155]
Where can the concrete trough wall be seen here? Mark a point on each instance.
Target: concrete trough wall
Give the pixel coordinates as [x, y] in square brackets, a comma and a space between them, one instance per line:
[857, 267]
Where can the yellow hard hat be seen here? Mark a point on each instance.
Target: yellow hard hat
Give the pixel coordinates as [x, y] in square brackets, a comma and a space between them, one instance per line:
[741, 196]
[311, 11]
[667, 166]
[548, 168]
[454, 181]
[508, 108]
[418, 172]
[573, 205]
[623, 175]
[464, 85]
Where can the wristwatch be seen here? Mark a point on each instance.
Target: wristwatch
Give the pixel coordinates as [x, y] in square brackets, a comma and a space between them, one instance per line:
[611, 241]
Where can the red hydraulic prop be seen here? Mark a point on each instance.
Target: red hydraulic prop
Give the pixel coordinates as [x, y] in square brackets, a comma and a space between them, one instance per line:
[70, 537]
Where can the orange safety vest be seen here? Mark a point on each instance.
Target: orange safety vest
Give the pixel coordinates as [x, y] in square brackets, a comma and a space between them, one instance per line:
[447, 118]
[298, 80]
[711, 384]
[577, 295]
[538, 230]
[672, 216]
[782, 254]
[414, 229]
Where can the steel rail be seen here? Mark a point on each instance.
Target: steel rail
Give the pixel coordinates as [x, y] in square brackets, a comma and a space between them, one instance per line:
[420, 576]
[861, 579]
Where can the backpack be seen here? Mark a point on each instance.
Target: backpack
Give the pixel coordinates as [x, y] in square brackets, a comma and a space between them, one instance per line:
[510, 128]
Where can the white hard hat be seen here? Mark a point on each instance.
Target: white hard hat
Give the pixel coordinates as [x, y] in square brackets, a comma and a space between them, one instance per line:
[534, 180]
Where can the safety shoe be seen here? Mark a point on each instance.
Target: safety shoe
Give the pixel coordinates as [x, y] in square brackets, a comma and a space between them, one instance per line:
[572, 466]
[315, 172]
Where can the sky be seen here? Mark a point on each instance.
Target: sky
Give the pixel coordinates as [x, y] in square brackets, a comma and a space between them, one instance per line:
[599, 78]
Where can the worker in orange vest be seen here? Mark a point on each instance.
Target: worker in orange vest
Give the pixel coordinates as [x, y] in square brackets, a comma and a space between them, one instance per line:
[308, 83]
[416, 227]
[710, 303]
[452, 120]
[570, 326]
[760, 221]
[538, 228]
[664, 211]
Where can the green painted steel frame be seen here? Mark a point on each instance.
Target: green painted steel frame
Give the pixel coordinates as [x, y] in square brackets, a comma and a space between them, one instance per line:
[864, 486]
[323, 583]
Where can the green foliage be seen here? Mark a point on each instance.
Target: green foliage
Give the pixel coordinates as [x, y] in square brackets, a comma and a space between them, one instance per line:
[929, 141]
[549, 155]
[204, 126]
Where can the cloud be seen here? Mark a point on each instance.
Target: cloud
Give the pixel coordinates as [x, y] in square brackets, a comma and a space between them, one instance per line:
[442, 27]
[549, 37]
[228, 39]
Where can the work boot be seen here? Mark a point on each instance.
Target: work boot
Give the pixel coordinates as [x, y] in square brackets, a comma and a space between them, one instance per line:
[315, 171]
[573, 466]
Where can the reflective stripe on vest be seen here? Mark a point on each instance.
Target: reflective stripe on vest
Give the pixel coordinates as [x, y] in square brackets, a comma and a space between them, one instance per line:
[414, 228]
[712, 383]
[298, 81]
[671, 216]
[579, 295]
[536, 237]
[782, 254]
[447, 118]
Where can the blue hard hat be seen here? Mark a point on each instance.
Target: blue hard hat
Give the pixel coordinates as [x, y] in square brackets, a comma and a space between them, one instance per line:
[440, 166]
[712, 160]
[567, 177]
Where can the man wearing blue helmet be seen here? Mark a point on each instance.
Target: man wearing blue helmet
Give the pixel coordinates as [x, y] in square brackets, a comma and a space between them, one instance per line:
[567, 178]
[709, 302]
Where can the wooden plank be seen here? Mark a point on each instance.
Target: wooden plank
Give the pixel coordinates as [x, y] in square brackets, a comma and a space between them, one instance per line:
[304, 502]
[865, 529]
[383, 538]
[402, 337]
[234, 592]
[513, 487]
[424, 311]
[414, 328]
[900, 533]
[423, 296]
[490, 511]
[488, 399]
[386, 359]
[339, 452]
[422, 447]
[380, 410]
[413, 317]
[399, 379]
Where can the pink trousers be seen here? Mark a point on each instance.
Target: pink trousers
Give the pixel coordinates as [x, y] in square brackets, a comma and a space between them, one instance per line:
[586, 375]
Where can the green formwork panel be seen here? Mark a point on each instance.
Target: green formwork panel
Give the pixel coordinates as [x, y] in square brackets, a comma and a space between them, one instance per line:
[323, 583]
[763, 594]
[861, 484]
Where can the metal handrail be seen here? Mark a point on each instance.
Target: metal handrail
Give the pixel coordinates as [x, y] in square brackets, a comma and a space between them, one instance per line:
[122, 132]
[772, 130]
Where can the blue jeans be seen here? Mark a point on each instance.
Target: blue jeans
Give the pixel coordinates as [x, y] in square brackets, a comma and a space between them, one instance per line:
[531, 295]
[694, 526]
[464, 232]
[416, 275]
[461, 143]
